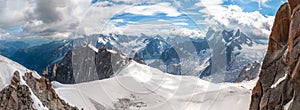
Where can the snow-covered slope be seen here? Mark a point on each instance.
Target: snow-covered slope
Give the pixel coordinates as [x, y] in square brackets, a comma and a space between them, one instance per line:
[7, 68]
[142, 87]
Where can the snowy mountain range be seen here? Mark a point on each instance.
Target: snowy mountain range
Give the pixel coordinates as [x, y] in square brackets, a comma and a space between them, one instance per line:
[228, 52]
[117, 72]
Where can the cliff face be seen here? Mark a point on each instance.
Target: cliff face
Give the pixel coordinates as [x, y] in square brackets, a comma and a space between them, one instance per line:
[278, 86]
[249, 72]
[82, 64]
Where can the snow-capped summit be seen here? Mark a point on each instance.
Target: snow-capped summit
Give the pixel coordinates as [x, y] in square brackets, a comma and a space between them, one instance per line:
[154, 48]
[231, 52]
[101, 40]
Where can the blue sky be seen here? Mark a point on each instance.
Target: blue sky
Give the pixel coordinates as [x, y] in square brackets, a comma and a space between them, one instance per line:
[191, 14]
[268, 8]
[165, 17]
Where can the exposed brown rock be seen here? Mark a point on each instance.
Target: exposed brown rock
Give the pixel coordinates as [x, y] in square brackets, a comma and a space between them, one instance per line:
[18, 97]
[294, 59]
[281, 62]
[280, 30]
[293, 3]
[42, 88]
[256, 96]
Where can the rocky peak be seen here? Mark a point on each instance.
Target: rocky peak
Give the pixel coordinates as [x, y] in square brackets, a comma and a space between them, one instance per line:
[249, 72]
[18, 96]
[278, 86]
[236, 39]
[138, 59]
[233, 41]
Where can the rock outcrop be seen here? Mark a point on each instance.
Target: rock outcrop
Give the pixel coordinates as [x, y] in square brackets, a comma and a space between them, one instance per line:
[18, 96]
[249, 72]
[43, 89]
[278, 86]
[83, 64]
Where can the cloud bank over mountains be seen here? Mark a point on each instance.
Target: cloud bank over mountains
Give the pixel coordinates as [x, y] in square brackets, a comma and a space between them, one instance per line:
[233, 17]
[68, 18]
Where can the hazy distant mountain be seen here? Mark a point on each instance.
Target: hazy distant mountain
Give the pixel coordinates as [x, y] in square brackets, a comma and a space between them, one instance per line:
[8, 48]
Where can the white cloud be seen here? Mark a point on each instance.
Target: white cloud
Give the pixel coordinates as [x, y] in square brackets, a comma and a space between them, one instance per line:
[150, 10]
[262, 3]
[233, 17]
[42, 16]
[180, 24]
[118, 20]
[137, 1]
[63, 17]
[160, 27]
[14, 12]
[97, 18]
[3, 34]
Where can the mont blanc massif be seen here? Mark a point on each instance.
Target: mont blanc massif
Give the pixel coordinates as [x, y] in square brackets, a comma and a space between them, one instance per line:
[149, 55]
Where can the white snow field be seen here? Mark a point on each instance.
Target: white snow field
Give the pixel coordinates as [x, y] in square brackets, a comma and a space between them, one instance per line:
[140, 87]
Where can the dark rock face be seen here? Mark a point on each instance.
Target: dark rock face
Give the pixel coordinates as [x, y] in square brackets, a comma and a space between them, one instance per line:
[293, 3]
[154, 49]
[82, 64]
[249, 72]
[234, 41]
[18, 97]
[294, 62]
[42, 88]
[279, 81]
[138, 59]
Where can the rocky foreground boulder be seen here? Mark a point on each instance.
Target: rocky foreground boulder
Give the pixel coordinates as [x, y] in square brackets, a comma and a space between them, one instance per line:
[18, 96]
[278, 87]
